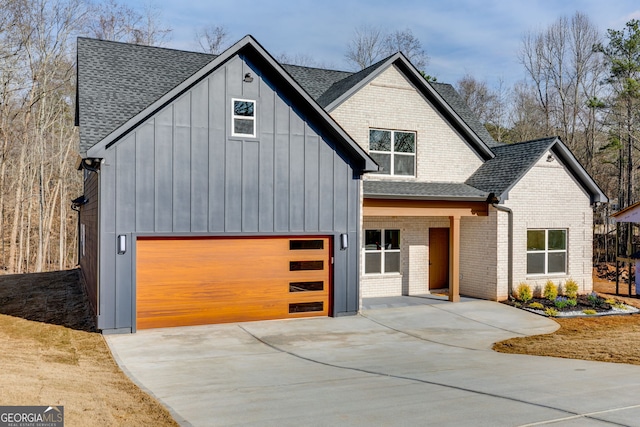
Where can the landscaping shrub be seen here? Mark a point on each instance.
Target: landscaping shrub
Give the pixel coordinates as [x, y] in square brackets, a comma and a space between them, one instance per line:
[561, 302]
[536, 305]
[550, 290]
[552, 312]
[571, 289]
[523, 292]
[594, 299]
[589, 311]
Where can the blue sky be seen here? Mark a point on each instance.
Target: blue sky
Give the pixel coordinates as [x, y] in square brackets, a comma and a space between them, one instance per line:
[479, 37]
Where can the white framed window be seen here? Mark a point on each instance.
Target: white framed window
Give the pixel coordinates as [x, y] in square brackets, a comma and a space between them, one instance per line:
[546, 251]
[243, 117]
[381, 251]
[394, 151]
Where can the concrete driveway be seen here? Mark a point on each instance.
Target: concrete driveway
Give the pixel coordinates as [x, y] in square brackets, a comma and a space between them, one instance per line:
[405, 361]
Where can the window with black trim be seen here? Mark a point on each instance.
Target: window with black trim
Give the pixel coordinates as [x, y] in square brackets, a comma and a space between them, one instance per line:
[546, 251]
[243, 117]
[394, 151]
[381, 251]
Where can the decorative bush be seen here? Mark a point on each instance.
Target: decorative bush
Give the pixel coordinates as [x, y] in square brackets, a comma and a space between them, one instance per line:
[620, 306]
[572, 302]
[536, 305]
[610, 301]
[524, 293]
[551, 312]
[589, 311]
[550, 290]
[561, 302]
[594, 299]
[571, 289]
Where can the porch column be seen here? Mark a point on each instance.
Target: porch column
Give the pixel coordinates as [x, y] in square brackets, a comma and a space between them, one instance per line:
[454, 257]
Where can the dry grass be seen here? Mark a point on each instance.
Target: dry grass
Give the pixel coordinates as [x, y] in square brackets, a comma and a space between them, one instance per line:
[45, 364]
[605, 339]
[49, 356]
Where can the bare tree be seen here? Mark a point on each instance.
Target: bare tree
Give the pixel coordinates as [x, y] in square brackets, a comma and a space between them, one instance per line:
[371, 44]
[563, 72]
[478, 97]
[409, 45]
[488, 105]
[366, 47]
[119, 22]
[212, 39]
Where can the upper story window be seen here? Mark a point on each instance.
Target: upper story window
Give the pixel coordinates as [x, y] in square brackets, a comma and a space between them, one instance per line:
[244, 118]
[546, 251]
[394, 151]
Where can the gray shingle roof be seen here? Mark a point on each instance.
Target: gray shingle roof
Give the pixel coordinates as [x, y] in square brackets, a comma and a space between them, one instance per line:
[453, 98]
[109, 82]
[343, 86]
[512, 161]
[315, 81]
[110, 93]
[423, 190]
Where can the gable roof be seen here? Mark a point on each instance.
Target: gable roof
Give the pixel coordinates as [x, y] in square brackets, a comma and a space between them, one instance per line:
[447, 104]
[453, 98]
[247, 47]
[109, 90]
[315, 81]
[512, 161]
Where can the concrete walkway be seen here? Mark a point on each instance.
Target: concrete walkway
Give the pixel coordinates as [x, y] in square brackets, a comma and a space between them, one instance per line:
[406, 361]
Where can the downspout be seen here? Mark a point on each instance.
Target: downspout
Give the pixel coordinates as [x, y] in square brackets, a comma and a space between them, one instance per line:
[494, 202]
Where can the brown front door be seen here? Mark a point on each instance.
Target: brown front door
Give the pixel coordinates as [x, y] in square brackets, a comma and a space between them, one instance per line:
[438, 258]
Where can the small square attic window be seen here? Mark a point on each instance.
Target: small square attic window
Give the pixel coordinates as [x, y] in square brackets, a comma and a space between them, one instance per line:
[244, 118]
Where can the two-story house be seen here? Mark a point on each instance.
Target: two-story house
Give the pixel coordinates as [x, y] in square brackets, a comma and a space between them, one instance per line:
[230, 188]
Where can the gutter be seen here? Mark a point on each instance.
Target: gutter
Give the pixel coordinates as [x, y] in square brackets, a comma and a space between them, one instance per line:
[493, 200]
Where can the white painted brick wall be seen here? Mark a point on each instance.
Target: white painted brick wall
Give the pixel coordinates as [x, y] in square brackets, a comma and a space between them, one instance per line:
[414, 257]
[391, 102]
[548, 197]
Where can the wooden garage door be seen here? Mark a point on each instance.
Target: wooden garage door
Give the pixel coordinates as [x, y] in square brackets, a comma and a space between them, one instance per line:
[195, 281]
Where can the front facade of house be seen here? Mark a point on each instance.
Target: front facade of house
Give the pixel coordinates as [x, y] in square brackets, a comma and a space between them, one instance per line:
[246, 190]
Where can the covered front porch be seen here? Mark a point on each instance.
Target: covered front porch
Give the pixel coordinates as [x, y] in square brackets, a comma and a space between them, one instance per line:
[428, 247]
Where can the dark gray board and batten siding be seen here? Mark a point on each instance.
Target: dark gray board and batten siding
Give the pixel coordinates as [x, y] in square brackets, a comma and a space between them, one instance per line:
[89, 253]
[180, 173]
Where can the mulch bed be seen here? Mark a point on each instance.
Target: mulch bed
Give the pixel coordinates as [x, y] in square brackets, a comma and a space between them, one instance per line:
[593, 302]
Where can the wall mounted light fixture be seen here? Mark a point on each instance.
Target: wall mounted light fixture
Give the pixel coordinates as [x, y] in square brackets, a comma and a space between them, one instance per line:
[122, 244]
[344, 241]
[248, 78]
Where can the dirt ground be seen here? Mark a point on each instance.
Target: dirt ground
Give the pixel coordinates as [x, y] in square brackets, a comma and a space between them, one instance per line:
[50, 356]
[606, 339]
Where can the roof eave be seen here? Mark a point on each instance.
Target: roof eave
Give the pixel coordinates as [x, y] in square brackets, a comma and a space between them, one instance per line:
[247, 42]
[418, 80]
[426, 197]
[579, 173]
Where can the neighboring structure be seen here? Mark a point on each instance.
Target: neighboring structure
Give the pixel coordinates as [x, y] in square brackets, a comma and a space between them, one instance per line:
[203, 174]
[628, 245]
